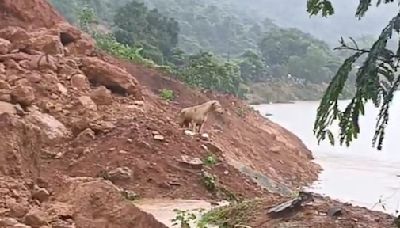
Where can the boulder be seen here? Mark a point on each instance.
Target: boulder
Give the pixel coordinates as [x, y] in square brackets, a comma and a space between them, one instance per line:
[49, 44]
[40, 194]
[53, 129]
[6, 107]
[5, 46]
[41, 62]
[36, 218]
[87, 102]
[8, 222]
[86, 135]
[18, 36]
[101, 96]
[121, 173]
[113, 77]
[79, 81]
[62, 89]
[4, 85]
[23, 95]
[2, 69]
[18, 210]
[158, 137]
[80, 47]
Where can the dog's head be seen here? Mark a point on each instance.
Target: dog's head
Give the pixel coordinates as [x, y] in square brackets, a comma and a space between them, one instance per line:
[217, 107]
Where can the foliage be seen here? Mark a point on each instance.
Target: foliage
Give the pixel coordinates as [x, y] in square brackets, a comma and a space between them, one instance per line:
[139, 26]
[210, 160]
[183, 218]
[231, 215]
[86, 18]
[209, 181]
[376, 81]
[290, 51]
[252, 67]
[167, 94]
[205, 71]
[165, 34]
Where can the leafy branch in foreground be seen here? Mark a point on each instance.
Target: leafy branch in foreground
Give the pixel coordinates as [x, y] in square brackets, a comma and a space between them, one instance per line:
[376, 81]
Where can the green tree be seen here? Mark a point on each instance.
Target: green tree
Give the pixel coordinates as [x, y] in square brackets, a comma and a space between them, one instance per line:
[252, 67]
[139, 26]
[376, 79]
[86, 18]
[205, 71]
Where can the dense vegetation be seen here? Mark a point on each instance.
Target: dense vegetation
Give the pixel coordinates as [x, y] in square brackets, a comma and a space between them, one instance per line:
[377, 79]
[207, 43]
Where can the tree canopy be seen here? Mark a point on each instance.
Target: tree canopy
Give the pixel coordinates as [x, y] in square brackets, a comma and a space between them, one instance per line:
[376, 79]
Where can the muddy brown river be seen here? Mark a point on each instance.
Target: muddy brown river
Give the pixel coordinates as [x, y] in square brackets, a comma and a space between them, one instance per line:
[358, 174]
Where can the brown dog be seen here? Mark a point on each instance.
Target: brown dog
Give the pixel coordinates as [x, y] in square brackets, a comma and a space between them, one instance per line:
[197, 115]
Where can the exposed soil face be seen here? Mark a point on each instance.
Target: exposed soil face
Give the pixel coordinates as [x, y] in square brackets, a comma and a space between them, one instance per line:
[83, 134]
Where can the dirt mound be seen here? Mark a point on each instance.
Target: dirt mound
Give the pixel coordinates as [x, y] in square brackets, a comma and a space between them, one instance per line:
[27, 14]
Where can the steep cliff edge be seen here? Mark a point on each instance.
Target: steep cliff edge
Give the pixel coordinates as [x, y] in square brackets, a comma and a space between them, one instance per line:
[83, 134]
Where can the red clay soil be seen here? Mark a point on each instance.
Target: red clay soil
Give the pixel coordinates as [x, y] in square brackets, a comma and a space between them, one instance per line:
[83, 133]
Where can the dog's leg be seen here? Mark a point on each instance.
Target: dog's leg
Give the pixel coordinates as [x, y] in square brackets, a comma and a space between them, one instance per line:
[194, 127]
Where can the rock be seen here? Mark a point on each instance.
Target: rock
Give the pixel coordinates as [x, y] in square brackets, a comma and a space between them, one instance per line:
[189, 133]
[130, 195]
[36, 218]
[34, 77]
[129, 140]
[102, 126]
[41, 62]
[40, 194]
[155, 132]
[20, 225]
[335, 212]
[123, 152]
[62, 89]
[158, 137]
[79, 81]
[194, 163]
[138, 103]
[205, 136]
[113, 77]
[23, 95]
[101, 96]
[63, 224]
[4, 85]
[2, 68]
[88, 103]
[18, 210]
[49, 44]
[6, 107]
[7, 222]
[134, 108]
[86, 135]
[5, 96]
[122, 173]
[53, 129]
[18, 36]
[5, 46]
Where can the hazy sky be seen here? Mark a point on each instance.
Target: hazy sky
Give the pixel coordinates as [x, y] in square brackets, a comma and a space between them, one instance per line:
[292, 13]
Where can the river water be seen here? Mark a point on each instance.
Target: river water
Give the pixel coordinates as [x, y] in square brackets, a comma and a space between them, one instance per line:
[358, 174]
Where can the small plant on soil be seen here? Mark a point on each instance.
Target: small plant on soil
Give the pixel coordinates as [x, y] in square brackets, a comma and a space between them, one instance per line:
[167, 94]
[209, 181]
[241, 111]
[183, 218]
[210, 160]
